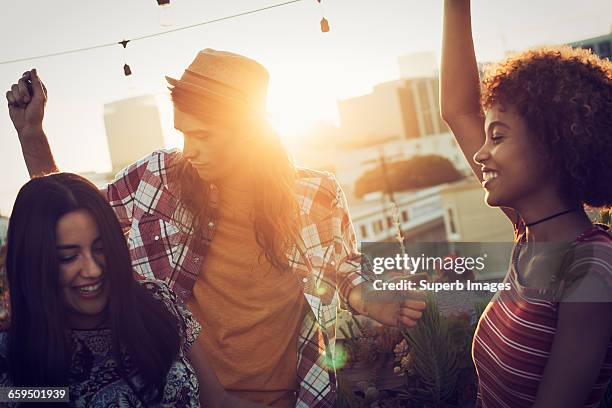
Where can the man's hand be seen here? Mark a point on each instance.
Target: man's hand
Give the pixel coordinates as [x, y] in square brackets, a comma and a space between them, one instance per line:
[26, 103]
[387, 308]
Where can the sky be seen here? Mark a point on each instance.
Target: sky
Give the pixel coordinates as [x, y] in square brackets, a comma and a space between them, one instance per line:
[309, 70]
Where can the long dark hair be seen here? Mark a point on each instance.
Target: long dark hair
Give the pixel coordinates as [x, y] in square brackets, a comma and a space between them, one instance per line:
[38, 346]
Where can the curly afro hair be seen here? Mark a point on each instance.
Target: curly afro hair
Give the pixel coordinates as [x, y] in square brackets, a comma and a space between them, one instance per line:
[565, 96]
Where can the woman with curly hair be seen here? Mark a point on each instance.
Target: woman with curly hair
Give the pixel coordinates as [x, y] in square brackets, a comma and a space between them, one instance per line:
[539, 133]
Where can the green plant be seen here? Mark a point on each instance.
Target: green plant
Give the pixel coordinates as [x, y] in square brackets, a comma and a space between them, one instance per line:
[369, 342]
[346, 396]
[433, 359]
[439, 355]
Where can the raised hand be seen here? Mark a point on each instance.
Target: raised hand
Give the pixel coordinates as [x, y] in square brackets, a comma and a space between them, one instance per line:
[26, 103]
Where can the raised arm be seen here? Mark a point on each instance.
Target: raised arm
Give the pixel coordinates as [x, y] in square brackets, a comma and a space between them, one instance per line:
[459, 82]
[460, 85]
[26, 103]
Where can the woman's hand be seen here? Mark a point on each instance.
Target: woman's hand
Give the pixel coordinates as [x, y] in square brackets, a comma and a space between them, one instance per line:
[26, 103]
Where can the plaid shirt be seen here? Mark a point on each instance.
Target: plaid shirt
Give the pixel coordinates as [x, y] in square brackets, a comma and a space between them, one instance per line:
[326, 258]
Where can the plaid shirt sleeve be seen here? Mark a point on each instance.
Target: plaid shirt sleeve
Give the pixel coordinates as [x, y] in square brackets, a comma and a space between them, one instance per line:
[121, 192]
[353, 267]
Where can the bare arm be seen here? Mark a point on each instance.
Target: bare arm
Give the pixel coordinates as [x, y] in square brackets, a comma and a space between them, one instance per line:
[26, 103]
[584, 327]
[577, 355]
[460, 85]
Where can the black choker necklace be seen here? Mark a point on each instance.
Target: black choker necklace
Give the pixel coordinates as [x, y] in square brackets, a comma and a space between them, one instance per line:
[552, 216]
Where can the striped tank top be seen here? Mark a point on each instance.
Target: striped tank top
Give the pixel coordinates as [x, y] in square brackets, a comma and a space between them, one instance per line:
[514, 337]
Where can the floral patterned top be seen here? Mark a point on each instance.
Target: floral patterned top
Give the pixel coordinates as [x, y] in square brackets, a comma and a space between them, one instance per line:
[94, 380]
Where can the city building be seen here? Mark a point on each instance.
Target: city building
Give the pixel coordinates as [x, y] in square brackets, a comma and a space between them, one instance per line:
[468, 218]
[420, 214]
[455, 213]
[601, 45]
[133, 129]
[406, 108]
[376, 115]
[350, 164]
[452, 212]
[475, 229]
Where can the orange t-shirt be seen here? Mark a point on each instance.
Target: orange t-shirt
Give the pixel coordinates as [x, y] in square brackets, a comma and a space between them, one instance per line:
[250, 312]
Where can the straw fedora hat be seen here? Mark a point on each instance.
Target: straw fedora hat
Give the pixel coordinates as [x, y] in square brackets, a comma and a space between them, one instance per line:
[226, 78]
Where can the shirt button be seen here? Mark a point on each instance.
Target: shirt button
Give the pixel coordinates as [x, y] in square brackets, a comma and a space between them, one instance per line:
[211, 224]
[304, 280]
[333, 262]
[196, 259]
[156, 237]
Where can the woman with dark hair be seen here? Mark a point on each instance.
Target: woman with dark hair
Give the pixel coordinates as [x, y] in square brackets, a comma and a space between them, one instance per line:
[539, 137]
[79, 318]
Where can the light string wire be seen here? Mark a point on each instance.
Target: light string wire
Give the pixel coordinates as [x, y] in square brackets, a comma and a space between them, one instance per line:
[148, 36]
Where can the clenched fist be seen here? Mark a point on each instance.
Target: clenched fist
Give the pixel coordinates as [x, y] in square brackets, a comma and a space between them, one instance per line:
[26, 102]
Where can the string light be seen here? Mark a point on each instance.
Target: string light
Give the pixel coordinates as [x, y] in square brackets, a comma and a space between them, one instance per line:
[165, 13]
[324, 25]
[127, 71]
[324, 22]
[148, 36]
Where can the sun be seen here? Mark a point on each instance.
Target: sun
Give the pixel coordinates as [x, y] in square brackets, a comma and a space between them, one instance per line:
[294, 107]
[289, 123]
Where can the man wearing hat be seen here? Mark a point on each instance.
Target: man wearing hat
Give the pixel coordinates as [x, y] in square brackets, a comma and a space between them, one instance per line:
[262, 252]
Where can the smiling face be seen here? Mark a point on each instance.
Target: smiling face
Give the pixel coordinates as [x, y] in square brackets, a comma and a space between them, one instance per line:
[513, 171]
[210, 148]
[81, 262]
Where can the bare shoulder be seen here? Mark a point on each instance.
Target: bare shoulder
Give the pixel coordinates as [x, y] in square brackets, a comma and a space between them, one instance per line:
[588, 273]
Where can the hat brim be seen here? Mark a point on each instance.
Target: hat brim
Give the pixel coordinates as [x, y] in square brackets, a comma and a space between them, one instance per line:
[208, 93]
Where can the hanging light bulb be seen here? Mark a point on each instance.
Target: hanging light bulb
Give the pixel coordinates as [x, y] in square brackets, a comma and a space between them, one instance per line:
[324, 22]
[127, 71]
[165, 13]
[324, 25]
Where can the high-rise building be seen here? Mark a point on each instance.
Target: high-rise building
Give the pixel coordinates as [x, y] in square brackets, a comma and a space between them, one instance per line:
[133, 129]
[376, 115]
[404, 109]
